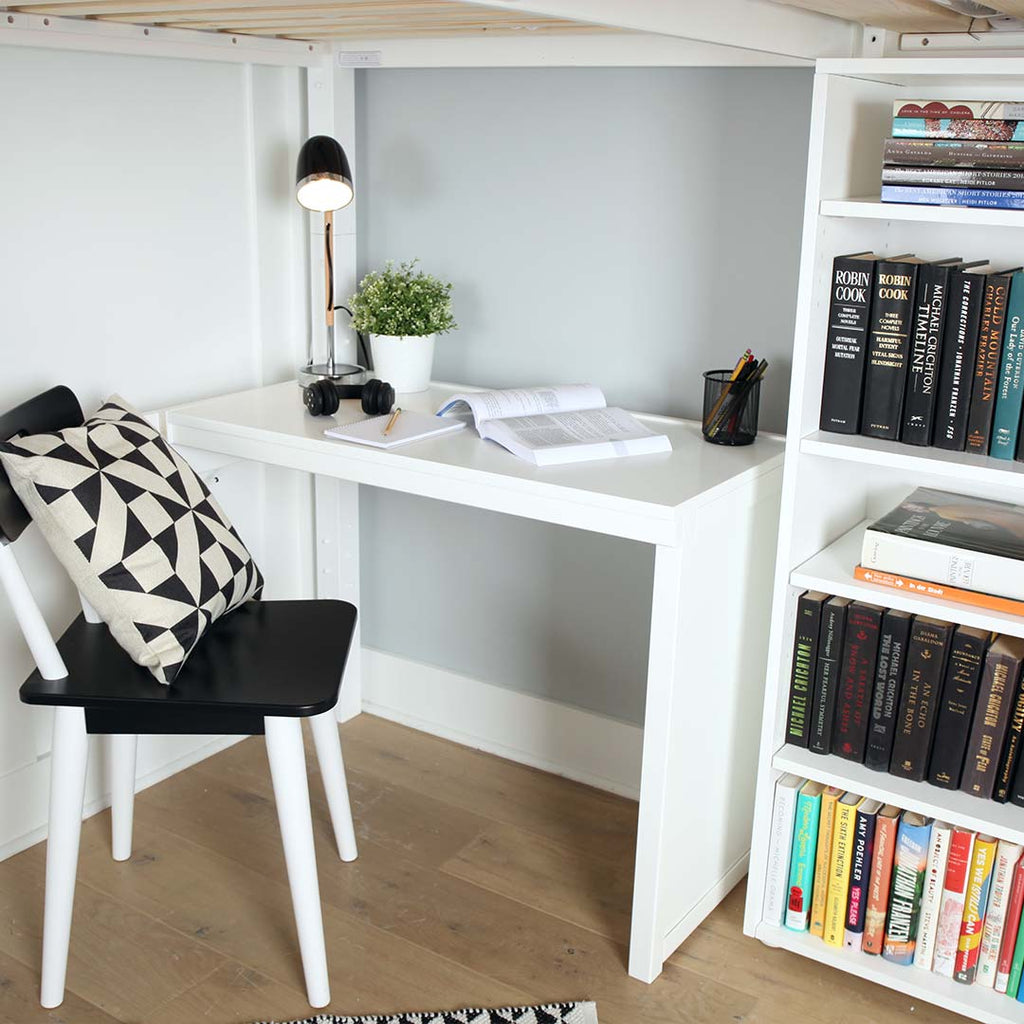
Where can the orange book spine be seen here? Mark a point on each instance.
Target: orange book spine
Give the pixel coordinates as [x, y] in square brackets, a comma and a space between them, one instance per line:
[909, 585]
[881, 876]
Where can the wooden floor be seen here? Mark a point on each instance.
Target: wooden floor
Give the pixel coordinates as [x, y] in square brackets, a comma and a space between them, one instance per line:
[479, 882]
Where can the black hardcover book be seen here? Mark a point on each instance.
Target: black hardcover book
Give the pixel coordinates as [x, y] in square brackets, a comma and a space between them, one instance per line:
[922, 680]
[826, 674]
[805, 662]
[987, 361]
[956, 706]
[856, 680]
[885, 701]
[1011, 747]
[930, 307]
[845, 346]
[959, 346]
[885, 374]
[996, 694]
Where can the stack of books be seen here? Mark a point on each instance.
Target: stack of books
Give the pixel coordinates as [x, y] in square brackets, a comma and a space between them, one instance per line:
[917, 697]
[930, 353]
[891, 883]
[962, 153]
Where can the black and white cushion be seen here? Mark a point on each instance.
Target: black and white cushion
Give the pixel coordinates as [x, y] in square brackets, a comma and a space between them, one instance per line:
[139, 533]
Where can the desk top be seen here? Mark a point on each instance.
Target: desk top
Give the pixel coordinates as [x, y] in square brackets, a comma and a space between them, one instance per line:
[639, 496]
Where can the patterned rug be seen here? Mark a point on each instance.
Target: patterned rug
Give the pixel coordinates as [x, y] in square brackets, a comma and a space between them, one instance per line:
[555, 1013]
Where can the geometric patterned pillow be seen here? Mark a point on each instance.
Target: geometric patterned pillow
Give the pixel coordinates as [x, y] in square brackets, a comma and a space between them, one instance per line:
[135, 528]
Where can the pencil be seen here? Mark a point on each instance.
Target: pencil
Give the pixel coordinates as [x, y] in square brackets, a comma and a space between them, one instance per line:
[743, 361]
[391, 422]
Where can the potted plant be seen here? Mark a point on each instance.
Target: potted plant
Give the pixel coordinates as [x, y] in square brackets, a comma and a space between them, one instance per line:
[403, 310]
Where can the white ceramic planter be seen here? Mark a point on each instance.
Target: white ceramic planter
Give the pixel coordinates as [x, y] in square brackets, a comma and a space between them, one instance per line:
[404, 361]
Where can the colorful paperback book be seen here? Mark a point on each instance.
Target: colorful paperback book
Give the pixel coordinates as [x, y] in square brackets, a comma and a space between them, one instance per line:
[860, 872]
[1013, 986]
[1006, 420]
[935, 195]
[801, 861]
[931, 898]
[908, 872]
[1001, 130]
[954, 891]
[823, 854]
[1009, 941]
[840, 863]
[960, 110]
[955, 154]
[886, 826]
[979, 881]
[1007, 857]
[779, 848]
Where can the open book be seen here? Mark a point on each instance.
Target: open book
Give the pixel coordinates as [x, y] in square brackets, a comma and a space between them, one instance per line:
[555, 425]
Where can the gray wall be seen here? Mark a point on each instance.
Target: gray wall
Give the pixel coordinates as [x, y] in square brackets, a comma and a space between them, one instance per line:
[628, 227]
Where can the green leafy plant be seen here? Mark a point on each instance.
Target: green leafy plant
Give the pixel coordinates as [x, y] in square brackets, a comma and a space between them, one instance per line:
[402, 300]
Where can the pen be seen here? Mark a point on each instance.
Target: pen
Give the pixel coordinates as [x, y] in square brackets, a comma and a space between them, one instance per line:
[391, 422]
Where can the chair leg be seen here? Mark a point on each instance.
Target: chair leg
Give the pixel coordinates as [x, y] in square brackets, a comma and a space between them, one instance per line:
[332, 771]
[68, 760]
[291, 794]
[122, 750]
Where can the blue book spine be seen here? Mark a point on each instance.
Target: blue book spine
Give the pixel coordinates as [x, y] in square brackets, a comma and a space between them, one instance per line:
[1010, 392]
[954, 128]
[992, 198]
[801, 862]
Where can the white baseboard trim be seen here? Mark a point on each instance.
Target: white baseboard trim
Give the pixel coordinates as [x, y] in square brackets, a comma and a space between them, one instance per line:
[567, 741]
[24, 792]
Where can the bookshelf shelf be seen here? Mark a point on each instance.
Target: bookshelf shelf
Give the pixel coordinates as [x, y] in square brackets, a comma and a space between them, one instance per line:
[1003, 820]
[960, 466]
[981, 1004]
[872, 208]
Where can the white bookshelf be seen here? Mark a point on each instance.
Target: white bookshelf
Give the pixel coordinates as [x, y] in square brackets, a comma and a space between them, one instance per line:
[835, 484]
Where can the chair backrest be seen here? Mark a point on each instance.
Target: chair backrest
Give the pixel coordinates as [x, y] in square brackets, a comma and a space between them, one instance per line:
[52, 410]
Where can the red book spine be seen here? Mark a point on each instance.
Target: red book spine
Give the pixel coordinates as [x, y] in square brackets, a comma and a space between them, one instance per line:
[1013, 910]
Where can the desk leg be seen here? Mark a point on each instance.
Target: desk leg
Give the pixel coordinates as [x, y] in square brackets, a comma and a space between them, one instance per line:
[336, 529]
[645, 941]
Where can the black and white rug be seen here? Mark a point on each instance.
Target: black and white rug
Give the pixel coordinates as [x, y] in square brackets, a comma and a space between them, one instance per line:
[555, 1013]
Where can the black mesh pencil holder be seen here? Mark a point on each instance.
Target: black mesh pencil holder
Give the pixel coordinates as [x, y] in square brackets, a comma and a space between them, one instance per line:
[730, 409]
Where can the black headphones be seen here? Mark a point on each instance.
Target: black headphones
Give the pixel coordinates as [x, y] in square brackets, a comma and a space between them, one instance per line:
[322, 397]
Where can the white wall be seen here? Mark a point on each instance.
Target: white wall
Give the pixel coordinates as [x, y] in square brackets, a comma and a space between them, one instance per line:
[630, 227]
[150, 245]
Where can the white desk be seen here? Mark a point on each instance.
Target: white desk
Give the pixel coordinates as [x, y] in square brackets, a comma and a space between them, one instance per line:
[712, 514]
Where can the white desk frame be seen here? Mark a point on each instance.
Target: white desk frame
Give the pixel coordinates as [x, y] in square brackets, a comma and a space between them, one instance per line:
[712, 515]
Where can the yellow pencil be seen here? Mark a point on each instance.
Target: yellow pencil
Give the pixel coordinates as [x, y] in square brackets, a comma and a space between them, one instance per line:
[391, 422]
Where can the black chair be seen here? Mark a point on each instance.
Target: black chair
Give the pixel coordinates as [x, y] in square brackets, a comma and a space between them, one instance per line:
[258, 670]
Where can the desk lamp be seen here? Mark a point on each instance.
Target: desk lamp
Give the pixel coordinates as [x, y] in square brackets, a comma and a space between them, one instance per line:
[323, 184]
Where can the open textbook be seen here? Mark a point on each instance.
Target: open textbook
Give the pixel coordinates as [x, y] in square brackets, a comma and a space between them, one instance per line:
[554, 425]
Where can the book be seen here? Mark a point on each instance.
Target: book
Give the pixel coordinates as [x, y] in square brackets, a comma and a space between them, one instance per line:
[992, 715]
[959, 153]
[1010, 756]
[842, 387]
[805, 662]
[1016, 963]
[987, 361]
[931, 895]
[930, 305]
[915, 723]
[979, 880]
[1007, 858]
[978, 110]
[1010, 388]
[956, 706]
[1016, 795]
[826, 674]
[802, 857]
[970, 543]
[839, 865]
[934, 195]
[888, 344]
[857, 673]
[1008, 944]
[830, 798]
[885, 700]
[940, 591]
[552, 426]
[954, 177]
[860, 872]
[987, 130]
[886, 824]
[954, 892]
[908, 869]
[780, 846]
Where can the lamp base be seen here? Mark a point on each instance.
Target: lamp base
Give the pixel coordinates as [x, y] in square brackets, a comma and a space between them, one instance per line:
[340, 373]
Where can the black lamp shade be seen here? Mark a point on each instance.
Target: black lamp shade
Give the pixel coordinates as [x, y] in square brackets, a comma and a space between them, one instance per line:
[323, 180]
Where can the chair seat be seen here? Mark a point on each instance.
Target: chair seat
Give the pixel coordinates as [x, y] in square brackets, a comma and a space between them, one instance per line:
[280, 658]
